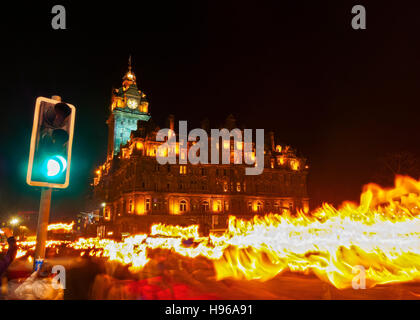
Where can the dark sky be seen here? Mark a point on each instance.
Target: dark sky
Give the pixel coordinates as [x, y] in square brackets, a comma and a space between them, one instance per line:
[343, 98]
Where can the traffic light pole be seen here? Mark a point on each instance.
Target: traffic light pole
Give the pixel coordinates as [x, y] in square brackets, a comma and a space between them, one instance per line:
[43, 219]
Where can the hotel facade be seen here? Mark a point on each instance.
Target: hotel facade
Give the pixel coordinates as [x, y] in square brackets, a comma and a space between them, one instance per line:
[136, 191]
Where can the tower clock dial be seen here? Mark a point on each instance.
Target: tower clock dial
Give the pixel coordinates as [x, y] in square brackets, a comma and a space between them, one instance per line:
[132, 103]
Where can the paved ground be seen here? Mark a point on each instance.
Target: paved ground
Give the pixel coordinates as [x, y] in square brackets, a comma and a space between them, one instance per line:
[170, 276]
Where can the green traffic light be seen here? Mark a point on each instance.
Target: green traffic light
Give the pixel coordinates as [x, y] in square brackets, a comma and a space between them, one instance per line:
[56, 165]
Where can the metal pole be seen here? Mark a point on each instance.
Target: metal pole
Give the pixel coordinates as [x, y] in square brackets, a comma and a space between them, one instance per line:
[43, 219]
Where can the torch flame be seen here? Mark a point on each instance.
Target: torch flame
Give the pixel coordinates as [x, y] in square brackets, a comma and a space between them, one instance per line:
[380, 236]
[61, 226]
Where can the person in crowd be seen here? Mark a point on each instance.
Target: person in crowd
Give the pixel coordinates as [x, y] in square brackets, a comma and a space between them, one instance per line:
[11, 252]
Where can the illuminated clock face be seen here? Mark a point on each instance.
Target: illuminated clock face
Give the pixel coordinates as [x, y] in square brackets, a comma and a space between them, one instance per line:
[132, 103]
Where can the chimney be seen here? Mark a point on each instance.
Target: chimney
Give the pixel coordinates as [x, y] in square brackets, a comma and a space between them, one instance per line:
[273, 146]
[171, 119]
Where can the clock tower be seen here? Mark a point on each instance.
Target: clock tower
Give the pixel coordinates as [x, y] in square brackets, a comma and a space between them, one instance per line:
[128, 105]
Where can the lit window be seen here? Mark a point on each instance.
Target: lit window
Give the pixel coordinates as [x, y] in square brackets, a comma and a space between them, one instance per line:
[130, 206]
[217, 206]
[259, 206]
[225, 187]
[249, 206]
[280, 161]
[182, 169]
[294, 164]
[226, 144]
[147, 204]
[226, 205]
[238, 186]
[139, 145]
[183, 206]
[107, 214]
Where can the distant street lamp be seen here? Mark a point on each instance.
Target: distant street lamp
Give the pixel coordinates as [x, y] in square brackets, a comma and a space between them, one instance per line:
[14, 221]
[103, 204]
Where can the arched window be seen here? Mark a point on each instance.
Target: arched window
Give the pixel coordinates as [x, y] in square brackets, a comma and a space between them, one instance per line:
[250, 206]
[131, 206]
[182, 206]
[276, 206]
[225, 187]
[205, 205]
[217, 206]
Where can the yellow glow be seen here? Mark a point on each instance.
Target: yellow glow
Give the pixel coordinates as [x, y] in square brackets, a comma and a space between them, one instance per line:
[140, 209]
[143, 107]
[226, 144]
[163, 152]
[67, 227]
[98, 172]
[381, 234]
[294, 164]
[217, 206]
[107, 214]
[120, 103]
[254, 206]
[281, 160]
[14, 221]
[306, 207]
[278, 148]
[174, 209]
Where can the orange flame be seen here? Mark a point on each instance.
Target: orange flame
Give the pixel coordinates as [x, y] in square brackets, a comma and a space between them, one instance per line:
[61, 226]
[381, 235]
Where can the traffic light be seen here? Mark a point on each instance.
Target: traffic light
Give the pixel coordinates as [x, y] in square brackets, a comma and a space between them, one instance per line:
[51, 142]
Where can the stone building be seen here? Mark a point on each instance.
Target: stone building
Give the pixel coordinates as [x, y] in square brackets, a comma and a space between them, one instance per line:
[137, 191]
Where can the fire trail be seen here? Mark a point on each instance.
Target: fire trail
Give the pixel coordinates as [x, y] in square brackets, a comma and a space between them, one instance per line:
[381, 236]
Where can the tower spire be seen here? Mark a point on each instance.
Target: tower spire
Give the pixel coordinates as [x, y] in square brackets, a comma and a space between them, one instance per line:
[129, 78]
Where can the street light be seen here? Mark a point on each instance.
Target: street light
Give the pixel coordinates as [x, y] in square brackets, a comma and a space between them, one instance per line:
[103, 204]
[14, 221]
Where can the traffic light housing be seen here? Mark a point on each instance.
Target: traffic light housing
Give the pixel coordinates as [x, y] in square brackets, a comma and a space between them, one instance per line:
[51, 144]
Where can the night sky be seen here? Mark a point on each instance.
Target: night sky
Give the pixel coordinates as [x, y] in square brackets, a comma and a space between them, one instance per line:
[343, 98]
